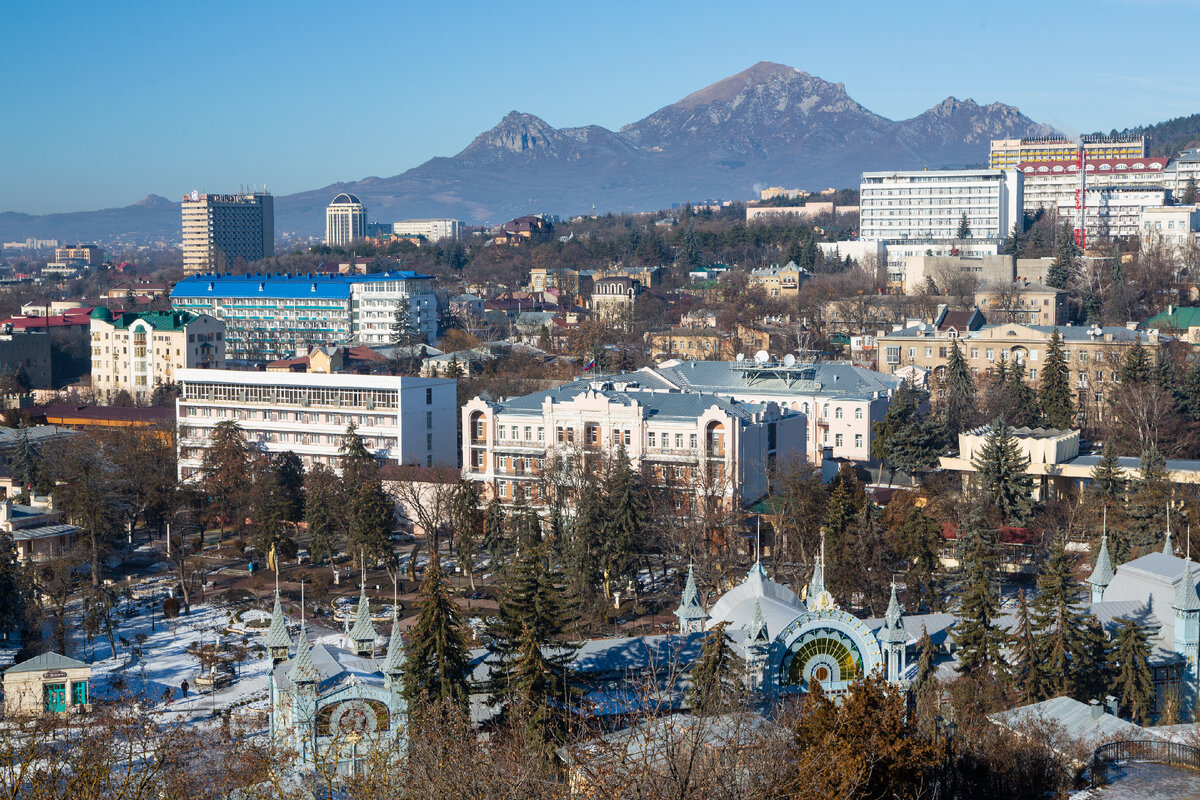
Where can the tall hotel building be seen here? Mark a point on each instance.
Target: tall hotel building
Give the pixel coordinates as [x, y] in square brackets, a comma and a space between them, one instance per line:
[345, 220]
[401, 420]
[271, 316]
[928, 205]
[218, 228]
[1007, 153]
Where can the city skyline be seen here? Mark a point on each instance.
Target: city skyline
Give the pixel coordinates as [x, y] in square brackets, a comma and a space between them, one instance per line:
[159, 118]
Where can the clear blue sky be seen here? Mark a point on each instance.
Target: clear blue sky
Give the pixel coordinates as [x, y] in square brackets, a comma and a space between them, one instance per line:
[105, 103]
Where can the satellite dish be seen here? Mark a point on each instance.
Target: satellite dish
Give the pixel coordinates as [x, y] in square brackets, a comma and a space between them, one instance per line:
[741, 356]
[762, 357]
[789, 360]
[195, 195]
[921, 327]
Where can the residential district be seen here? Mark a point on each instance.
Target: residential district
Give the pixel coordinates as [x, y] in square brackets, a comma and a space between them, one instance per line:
[874, 492]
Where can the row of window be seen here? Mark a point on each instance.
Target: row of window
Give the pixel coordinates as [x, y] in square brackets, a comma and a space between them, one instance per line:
[838, 440]
[304, 417]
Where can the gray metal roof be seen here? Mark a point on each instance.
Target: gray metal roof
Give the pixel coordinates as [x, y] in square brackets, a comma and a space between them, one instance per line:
[657, 404]
[44, 663]
[1076, 719]
[43, 532]
[731, 378]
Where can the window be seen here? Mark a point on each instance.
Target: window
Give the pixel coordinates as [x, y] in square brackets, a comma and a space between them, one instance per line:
[429, 441]
[858, 441]
[628, 437]
[858, 413]
[429, 420]
[502, 488]
[929, 352]
[1083, 356]
[679, 441]
[558, 434]
[837, 440]
[477, 429]
[429, 397]
[528, 432]
[541, 434]
[974, 352]
[516, 433]
[650, 439]
[990, 354]
[1033, 374]
[837, 413]
[692, 441]
[912, 352]
[499, 431]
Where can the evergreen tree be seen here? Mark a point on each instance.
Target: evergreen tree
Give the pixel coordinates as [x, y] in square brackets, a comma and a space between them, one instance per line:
[357, 463]
[847, 496]
[405, 335]
[1189, 192]
[14, 587]
[226, 470]
[980, 641]
[1190, 391]
[716, 676]
[1148, 499]
[1059, 623]
[468, 522]
[536, 691]
[1165, 375]
[1057, 401]
[585, 540]
[324, 512]
[1108, 479]
[1001, 468]
[625, 518]
[1022, 404]
[1132, 680]
[1059, 272]
[372, 516]
[289, 477]
[1014, 243]
[693, 255]
[25, 463]
[920, 543]
[436, 657]
[959, 405]
[906, 438]
[1135, 367]
[926, 653]
[964, 228]
[493, 532]
[1027, 673]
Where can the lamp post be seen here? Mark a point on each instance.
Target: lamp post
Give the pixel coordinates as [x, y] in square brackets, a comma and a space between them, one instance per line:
[943, 733]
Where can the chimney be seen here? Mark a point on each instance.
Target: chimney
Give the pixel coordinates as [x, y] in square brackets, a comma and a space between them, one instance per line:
[1096, 710]
[6, 510]
[1110, 704]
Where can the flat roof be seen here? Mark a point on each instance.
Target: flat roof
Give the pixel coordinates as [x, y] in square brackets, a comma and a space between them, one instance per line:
[339, 380]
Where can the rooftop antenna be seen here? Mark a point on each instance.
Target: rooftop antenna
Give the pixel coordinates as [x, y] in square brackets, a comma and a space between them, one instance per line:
[302, 603]
[758, 539]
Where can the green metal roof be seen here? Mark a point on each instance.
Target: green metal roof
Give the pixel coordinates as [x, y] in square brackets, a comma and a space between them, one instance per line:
[44, 663]
[1178, 319]
[158, 320]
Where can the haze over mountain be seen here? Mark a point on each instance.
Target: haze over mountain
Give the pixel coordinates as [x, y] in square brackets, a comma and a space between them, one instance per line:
[768, 125]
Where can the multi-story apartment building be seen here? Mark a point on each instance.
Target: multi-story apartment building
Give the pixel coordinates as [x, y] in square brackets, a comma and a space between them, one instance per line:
[86, 255]
[1172, 225]
[1114, 212]
[928, 205]
[840, 401]
[432, 230]
[1022, 301]
[345, 220]
[27, 351]
[698, 445]
[219, 228]
[1007, 153]
[402, 420]
[137, 352]
[269, 317]
[614, 296]
[1094, 354]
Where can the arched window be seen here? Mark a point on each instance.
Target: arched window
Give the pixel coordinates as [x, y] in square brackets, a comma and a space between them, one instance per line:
[858, 413]
[837, 413]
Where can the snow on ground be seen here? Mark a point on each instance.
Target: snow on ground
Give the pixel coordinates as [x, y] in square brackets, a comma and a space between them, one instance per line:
[147, 670]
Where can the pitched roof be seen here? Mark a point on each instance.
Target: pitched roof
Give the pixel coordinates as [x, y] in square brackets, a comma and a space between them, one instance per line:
[1177, 318]
[732, 378]
[1075, 717]
[44, 663]
[1102, 575]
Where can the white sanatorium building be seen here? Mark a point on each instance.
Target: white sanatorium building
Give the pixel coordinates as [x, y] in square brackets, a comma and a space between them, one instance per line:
[434, 230]
[402, 420]
[345, 220]
[929, 204]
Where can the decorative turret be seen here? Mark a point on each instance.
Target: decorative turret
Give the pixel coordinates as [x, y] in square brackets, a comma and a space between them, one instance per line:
[1102, 573]
[393, 662]
[756, 644]
[1187, 622]
[363, 634]
[1168, 548]
[894, 639]
[690, 614]
[303, 671]
[819, 598]
[278, 642]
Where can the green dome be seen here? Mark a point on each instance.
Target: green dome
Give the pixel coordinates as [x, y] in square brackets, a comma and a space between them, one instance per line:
[101, 312]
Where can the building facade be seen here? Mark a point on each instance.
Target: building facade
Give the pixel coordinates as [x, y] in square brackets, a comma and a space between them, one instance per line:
[432, 230]
[271, 316]
[218, 228]
[138, 352]
[26, 351]
[85, 255]
[1114, 212]
[698, 445]
[1052, 185]
[1022, 301]
[779, 281]
[928, 205]
[839, 401]
[345, 220]
[1174, 226]
[401, 420]
[47, 684]
[1007, 153]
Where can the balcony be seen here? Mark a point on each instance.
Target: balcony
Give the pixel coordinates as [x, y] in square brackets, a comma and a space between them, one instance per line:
[690, 454]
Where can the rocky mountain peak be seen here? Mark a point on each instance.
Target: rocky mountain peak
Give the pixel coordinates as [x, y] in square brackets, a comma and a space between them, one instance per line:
[517, 132]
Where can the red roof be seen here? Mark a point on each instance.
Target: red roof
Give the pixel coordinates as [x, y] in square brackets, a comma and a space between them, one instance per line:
[1008, 534]
[1098, 166]
[76, 316]
[149, 415]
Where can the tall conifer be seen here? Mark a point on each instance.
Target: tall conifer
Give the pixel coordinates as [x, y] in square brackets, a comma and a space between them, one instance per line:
[1001, 467]
[1055, 397]
[1059, 623]
[1026, 661]
[1132, 681]
[959, 409]
[715, 677]
[980, 641]
[436, 657]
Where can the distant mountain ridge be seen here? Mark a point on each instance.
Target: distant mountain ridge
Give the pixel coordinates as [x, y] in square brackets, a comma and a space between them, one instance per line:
[770, 124]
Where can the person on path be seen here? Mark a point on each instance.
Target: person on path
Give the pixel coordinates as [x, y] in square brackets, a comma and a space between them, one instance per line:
[184, 688]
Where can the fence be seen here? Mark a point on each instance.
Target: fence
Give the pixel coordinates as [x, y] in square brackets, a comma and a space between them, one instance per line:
[1155, 750]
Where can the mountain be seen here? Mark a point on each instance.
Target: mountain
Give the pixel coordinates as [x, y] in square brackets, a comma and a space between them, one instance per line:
[768, 125]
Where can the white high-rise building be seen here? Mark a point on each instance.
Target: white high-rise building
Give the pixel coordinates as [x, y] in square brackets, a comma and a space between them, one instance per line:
[928, 205]
[345, 220]
[219, 228]
[434, 230]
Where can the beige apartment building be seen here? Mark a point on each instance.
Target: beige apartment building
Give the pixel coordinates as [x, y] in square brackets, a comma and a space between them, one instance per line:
[1007, 153]
[1022, 301]
[1094, 354]
[220, 228]
[137, 352]
[779, 281]
[88, 255]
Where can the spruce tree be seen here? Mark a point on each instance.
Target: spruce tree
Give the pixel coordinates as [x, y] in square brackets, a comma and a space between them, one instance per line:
[1132, 681]
[537, 690]
[625, 520]
[1190, 393]
[1001, 467]
[1059, 272]
[919, 543]
[1108, 479]
[979, 640]
[467, 520]
[926, 653]
[959, 409]
[1149, 496]
[716, 676]
[493, 532]
[585, 540]
[372, 515]
[1189, 192]
[964, 227]
[1135, 367]
[14, 586]
[1055, 397]
[906, 438]
[436, 656]
[1021, 407]
[1165, 375]
[1059, 624]
[1027, 673]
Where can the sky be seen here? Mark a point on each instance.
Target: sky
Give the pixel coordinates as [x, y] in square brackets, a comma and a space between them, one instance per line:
[105, 103]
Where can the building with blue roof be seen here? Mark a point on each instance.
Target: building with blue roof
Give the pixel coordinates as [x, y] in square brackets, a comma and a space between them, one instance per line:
[269, 316]
[691, 444]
